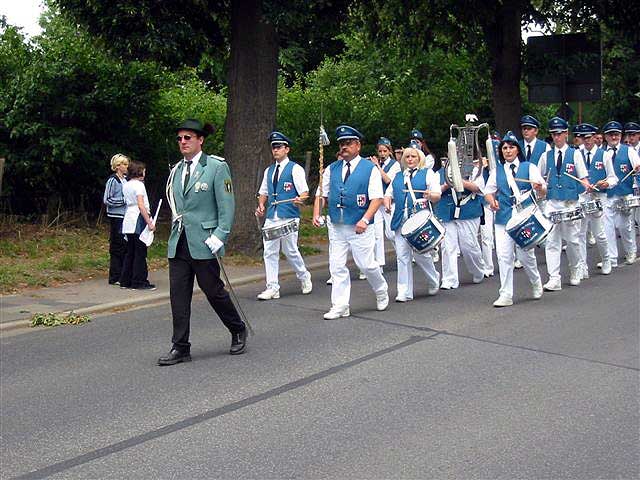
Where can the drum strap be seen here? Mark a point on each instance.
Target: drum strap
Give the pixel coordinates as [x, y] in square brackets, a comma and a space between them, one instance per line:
[407, 182]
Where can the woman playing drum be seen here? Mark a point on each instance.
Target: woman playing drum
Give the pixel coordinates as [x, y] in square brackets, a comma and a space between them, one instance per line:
[426, 185]
[500, 197]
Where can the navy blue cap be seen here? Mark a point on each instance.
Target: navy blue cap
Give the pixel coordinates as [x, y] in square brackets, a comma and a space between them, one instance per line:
[345, 132]
[529, 121]
[415, 144]
[587, 129]
[384, 141]
[557, 124]
[611, 127]
[416, 134]
[510, 138]
[631, 127]
[278, 137]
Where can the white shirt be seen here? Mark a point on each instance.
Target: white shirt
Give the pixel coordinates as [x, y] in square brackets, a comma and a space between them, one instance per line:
[131, 190]
[393, 170]
[194, 161]
[491, 186]
[532, 145]
[374, 190]
[297, 172]
[581, 169]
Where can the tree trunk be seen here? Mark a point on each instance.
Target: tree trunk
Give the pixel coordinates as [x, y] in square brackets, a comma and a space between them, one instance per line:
[503, 37]
[251, 114]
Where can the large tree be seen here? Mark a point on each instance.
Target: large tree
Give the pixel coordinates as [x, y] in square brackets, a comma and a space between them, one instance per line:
[249, 35]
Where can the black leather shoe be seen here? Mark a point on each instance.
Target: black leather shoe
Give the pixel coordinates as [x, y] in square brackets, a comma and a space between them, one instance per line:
[238, 342]
[174, 356]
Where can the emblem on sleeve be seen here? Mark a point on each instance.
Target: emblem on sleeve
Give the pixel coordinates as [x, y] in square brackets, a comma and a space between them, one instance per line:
[227, 185]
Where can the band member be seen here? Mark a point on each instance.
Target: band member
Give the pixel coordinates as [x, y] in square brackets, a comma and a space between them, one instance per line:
[632, 132]
[353, 191]
[624, 159]
[388, 168]
[427, 183]
[531, 145]
[200, 194]
[283, 181]
[499, 193]
[429, 159]
[600, 174]
[461, 215]
[488, 216]
[562, 193]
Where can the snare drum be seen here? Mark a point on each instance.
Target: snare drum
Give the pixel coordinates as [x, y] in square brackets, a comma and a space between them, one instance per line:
[592, 207]
[280, 228]
[566, 215]
[628, 202]
[423, 231]
[420, 204]
[528, 227]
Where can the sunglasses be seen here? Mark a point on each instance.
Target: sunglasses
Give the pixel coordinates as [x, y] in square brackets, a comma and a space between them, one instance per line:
[186, 137]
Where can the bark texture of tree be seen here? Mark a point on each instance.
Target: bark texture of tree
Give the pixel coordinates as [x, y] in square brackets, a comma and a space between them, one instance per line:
[251, 114]
[503, 37]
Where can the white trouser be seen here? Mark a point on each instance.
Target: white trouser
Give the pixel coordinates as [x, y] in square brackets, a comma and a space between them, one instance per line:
[289, 244]
[622, 220]
[506, 257]
[390, 234]
[342, 239]
[567, 231]
[378, 224]
[461, 235]
[595, 225]
[404, 255]
[486, 239]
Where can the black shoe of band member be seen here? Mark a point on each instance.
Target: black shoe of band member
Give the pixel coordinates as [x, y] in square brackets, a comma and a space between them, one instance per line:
[174, 356]
[238, 342]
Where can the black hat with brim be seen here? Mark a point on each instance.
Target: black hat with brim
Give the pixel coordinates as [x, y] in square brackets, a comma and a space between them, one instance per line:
[195, 126]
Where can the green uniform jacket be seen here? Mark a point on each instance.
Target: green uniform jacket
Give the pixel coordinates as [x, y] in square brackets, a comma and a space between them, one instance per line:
[207, 207]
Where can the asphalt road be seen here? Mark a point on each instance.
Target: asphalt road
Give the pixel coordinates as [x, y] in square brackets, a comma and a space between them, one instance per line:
[441, 387]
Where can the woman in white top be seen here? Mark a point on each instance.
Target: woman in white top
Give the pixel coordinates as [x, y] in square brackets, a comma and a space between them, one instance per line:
[136, 217]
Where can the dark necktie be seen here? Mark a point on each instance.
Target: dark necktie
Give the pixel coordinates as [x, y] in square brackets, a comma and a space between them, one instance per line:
[346, 175]
[412, 171]
[187, 176]
[513, 174]
[559, 162]
[588, 159]
[275, 178]
[615, 150]
[528, 153]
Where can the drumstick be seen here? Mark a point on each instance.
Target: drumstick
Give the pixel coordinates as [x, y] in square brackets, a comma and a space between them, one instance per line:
[627, 175]
[278, 202]
[580, 181]
[418, 191]
[524, 180]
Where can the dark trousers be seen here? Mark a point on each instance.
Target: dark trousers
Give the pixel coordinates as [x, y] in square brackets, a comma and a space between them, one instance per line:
[134, 270]
[182, 270]
[117, 249]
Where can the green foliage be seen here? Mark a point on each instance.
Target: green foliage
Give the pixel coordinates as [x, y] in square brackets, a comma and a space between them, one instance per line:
[56, 319]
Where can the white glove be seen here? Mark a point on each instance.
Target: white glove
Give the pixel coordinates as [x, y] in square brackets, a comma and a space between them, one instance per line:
[214, 243]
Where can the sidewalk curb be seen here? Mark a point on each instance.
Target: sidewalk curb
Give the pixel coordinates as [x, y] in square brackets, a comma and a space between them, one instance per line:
[163, 296]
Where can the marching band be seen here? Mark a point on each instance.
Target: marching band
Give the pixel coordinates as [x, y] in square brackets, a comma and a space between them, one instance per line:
[521, 194]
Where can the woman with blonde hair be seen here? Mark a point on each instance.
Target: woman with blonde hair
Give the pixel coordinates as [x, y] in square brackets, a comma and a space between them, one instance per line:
[116, 207]
[427, 182]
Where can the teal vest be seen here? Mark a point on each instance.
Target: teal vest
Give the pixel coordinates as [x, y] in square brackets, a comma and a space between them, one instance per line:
[559, 186]
[622, 166]
[403, 199]
[445, 208]
[505, 199]
[349, 201]
[285, 190]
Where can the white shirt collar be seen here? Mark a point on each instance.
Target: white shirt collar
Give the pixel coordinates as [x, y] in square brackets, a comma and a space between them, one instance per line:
[195, 159]
[516, 162]
[563, 149]
[353, 162]
[283, 162]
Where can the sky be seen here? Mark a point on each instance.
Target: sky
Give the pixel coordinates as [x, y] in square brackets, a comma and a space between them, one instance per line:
[23, 13]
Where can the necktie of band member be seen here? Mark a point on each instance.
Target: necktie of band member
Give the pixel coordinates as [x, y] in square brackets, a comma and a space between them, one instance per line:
[187, 176]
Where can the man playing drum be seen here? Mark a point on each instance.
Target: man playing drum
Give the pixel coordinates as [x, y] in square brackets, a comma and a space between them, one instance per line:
[601, 174]
[632, 133]
[426, 185]
[499, 194]
[284, 188]
[352, 189]
[624, 160]
[563, 166]
[532, 147]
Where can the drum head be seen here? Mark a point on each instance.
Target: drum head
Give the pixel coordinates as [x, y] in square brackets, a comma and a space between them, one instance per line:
[518, 217]
[415, 221]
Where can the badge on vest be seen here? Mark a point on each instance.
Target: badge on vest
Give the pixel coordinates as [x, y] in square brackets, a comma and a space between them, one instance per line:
[624, 168]
[570, 168]
[599, 165]
[361, 200]
[288, 186]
